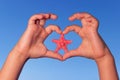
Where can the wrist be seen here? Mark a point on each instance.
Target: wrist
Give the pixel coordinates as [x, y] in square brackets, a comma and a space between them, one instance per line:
[19, 54]
[106, 67]
[14, 62]
[107, 56]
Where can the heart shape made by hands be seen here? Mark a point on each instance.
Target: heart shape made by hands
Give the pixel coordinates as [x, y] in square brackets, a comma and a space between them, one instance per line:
[88, 33]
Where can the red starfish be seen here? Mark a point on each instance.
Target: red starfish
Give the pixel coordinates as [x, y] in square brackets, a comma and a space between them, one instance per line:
[61, 43]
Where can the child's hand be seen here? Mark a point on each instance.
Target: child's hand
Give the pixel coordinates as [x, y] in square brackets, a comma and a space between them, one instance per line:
[31, 44]
[92, 45]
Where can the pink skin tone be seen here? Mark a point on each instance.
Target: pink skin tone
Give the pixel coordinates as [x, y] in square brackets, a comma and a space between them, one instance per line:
[61, 43]
[92, 46]
[31, 45]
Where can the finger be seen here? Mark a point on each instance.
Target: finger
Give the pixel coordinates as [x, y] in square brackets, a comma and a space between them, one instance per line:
[42, 22]
[35, 17]
[52, 28]
[70, 54]
[75, 28]
[92, 20]
[79, 16]
[44, 17]
[51, 54]
[49, 16]
[53, 16]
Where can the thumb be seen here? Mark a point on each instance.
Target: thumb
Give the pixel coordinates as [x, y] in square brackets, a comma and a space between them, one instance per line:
[72, 53]
[51, 54]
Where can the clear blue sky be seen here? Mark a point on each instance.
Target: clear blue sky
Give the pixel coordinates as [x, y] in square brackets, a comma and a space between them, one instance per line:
[14, 15]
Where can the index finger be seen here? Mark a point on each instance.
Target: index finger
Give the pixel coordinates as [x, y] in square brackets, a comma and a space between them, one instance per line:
[42, 17]
[79, 16]
[75, 28]
[52, 28]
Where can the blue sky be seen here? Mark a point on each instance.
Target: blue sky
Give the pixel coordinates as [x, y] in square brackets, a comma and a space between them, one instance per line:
[14, 15]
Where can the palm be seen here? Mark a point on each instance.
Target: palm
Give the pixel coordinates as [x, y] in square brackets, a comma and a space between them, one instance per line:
[32, 42]
[37, 47]
[88, 32]
[92, 45]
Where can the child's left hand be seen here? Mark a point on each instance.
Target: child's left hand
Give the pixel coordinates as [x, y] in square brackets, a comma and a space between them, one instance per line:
[31, 44]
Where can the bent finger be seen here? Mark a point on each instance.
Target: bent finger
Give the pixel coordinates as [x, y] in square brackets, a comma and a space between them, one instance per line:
[38, 17]
[46, 17]
[72, 53]
[51, 54]
[75, 28]
[79, 16]
[52, 28]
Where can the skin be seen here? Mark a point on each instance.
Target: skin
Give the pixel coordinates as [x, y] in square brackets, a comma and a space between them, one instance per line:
[31, 45]
[92, 46]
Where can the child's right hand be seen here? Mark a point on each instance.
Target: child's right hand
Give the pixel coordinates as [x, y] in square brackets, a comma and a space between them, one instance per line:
[92, 45]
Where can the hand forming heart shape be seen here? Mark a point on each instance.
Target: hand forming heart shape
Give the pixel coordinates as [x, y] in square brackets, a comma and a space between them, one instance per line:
[31, 43]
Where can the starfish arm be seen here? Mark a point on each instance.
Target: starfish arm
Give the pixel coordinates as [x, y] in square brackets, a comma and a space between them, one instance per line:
[68, 41]
[65, 49]
[55, 41]
[57, 49]
[61, 43]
